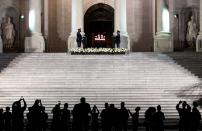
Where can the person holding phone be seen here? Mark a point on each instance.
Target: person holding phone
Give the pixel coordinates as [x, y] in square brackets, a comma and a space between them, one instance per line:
[18, 114]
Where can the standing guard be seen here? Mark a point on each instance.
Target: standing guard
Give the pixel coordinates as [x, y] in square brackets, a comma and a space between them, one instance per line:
[79, 38]
[117, 40]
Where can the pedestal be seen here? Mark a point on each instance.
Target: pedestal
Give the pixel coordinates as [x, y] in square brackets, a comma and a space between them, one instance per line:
[72, 42]
[163, 42]
[34, 44]
[1, 45]
[199, 43]
[125, 42]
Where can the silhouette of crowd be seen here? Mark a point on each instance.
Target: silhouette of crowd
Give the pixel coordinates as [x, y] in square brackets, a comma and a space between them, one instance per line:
[189, 118]
[83, 118]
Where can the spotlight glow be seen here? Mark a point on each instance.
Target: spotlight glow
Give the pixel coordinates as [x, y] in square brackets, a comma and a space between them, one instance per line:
[22, 16]
[32, 20]
[165, 21]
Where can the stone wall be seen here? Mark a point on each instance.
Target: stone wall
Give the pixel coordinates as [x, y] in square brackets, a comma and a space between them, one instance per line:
[140, 24]
[89, 3]
[4, 4]
[59, 25]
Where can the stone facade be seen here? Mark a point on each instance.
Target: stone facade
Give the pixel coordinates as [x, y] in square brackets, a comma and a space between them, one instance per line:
[141, 22]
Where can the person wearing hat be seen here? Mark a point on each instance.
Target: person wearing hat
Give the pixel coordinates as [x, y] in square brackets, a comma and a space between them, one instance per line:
[117, 39]
[79, 38]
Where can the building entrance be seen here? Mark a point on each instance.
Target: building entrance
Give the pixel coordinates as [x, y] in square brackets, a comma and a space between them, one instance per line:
[99, 26]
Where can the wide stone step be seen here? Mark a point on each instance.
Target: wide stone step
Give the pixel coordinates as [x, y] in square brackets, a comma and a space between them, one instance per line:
[139, 79]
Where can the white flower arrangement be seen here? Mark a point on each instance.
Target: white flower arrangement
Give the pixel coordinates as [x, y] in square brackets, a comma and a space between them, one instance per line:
[99, 51]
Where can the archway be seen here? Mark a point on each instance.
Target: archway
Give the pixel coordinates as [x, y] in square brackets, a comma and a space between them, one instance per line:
[99, 25]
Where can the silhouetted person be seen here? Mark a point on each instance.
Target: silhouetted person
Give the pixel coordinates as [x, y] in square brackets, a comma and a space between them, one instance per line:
[1, 119]
[105, 118]
[83, 112]
[36, 112]
[44, 118]
[29, 119]
[196, 117]
[117, 39]
[158, 120]
[7, 119]
[79, 38]
[135, 118]
[113, 117]
[65, 118]
[185, 116]
[123, 117]
[18, 114]
[153, 122]
[75, 121]
[56, 118]
[148, 118]
[95, 114]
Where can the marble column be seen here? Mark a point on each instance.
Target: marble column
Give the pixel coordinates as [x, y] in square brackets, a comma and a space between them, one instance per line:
[36, 42]
[163, 38]
[199, 38]
[76, 23]
[121, 22]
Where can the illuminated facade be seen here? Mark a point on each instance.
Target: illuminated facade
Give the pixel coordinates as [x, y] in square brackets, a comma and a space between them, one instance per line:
[145, 25]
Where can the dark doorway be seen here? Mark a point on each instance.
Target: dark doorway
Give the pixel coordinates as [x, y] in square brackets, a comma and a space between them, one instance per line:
[99, 25]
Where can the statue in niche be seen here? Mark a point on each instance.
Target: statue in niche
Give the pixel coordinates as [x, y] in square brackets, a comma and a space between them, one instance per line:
[192, 32]
[8, 32]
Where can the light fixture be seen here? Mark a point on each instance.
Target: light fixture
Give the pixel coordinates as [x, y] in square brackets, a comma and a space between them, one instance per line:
[165, 20]
[176, 16]
[22, 16]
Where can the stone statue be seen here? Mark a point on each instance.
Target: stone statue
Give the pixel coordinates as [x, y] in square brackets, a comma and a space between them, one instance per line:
[8, 33]
[1, 32]
[192, 32]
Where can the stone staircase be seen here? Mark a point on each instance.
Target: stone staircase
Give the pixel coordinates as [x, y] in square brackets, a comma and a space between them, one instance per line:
[139, 79]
